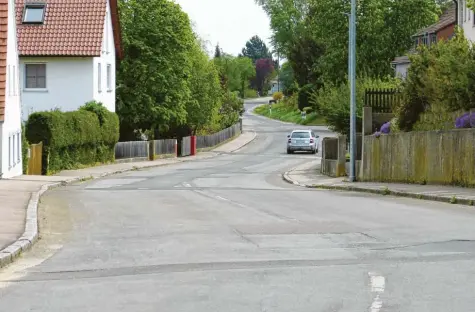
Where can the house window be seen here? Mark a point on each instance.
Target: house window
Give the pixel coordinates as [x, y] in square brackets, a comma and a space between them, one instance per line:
[34, 13]
[99, 77]
[433, 38]
[109, 77]
[18, 153]
[9, 152]
[35, 76]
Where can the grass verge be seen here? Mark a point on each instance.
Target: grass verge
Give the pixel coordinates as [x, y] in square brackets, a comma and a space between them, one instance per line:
[284, 112]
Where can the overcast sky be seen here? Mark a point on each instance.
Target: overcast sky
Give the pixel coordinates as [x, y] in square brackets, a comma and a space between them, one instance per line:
[229, 22]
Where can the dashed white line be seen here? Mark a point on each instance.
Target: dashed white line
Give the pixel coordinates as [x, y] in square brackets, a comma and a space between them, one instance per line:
[378, 283]
[222, 198]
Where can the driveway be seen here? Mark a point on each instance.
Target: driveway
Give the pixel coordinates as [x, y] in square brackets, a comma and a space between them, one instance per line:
[227, 234]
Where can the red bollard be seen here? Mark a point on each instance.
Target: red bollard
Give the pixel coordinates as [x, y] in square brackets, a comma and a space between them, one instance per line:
[193, 145]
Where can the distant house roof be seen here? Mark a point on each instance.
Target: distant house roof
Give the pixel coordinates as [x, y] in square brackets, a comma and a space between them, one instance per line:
[69, 28]
[3, 55]
[446, 19]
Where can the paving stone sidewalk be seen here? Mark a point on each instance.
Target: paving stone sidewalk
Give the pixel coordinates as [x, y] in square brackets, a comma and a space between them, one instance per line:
[308, 175]
[18, 194]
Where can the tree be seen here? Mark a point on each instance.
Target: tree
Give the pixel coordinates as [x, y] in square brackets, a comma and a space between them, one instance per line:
[205, 88]
[153, 78]
[264, 68]
[287, 79]
[384, 31]
[236, 71]
[256, 49]
[217, 51]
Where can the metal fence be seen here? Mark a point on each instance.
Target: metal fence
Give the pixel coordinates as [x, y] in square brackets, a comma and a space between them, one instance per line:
[132, 149]
[212, 140]
[164, 147]
[185, 146]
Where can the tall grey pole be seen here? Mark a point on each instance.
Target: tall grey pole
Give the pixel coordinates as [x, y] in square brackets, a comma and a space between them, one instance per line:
[352, 77]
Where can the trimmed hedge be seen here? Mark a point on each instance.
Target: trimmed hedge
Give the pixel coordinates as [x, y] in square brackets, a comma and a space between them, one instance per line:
[74, 139]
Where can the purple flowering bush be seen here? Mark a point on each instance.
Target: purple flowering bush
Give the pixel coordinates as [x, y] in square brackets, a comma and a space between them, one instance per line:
[467, 120]
[385, 129]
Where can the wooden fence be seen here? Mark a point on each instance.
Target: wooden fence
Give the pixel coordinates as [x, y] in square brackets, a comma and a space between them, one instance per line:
[35, 159]
[382, 100]
[212, 140]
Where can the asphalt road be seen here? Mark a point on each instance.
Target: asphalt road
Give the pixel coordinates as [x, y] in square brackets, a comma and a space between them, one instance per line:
[227, 234]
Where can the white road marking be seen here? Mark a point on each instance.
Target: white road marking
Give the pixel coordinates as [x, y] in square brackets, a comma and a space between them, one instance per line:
[222, 198]
[185, 184]
[378, 283]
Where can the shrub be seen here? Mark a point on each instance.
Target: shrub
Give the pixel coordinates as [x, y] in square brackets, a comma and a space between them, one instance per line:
[467, 120]
[332, 102]
[440, 79]
[386, 128]
[277, 96]
[250, 94]
[72, 139]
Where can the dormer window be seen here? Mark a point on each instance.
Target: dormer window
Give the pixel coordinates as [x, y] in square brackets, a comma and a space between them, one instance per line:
[34, 13]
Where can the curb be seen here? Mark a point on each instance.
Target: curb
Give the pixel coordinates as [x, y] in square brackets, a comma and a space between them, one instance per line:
[31, 233]
[381, 191]
[253, 138]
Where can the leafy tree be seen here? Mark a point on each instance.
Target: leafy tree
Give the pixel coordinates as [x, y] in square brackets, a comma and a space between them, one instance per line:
[235, 71]
[153, 78]
[264, 68]
[287, 79]
[256, 49]
[206, 91]
[218, 51]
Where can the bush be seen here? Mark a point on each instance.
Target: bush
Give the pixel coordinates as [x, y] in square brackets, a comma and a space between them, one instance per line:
[441, 79]
[250, 94]
[277, 96]
[72, 139]
[332, 102]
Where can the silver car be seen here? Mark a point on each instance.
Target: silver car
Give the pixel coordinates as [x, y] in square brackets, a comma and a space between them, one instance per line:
[302, 140]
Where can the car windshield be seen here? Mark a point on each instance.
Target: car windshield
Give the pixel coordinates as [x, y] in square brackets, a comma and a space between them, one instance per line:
[300, 135]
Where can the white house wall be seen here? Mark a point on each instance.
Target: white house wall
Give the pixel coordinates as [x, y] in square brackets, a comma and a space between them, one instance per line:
[467, 20]
[104, 93]
[10, 133]
[69, 84]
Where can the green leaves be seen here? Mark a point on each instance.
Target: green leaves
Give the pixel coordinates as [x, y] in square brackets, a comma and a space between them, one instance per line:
[153, 88]
[440, 80]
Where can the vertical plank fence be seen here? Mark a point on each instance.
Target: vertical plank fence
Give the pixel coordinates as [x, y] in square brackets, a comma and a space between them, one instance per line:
[35, 159]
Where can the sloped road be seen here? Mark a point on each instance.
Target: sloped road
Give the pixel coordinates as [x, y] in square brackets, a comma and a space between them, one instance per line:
[227, 234]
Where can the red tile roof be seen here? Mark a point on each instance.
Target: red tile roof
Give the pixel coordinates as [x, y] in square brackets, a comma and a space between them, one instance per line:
[70, 28]
[3, 54]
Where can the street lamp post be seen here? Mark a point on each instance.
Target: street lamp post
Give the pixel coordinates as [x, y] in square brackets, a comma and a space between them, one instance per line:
[352, 78]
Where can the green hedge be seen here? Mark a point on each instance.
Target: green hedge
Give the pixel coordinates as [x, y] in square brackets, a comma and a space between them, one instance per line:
[74, 139]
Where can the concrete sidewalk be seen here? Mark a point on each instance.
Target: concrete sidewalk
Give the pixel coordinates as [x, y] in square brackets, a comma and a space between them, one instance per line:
[19, 196]
[308, 175]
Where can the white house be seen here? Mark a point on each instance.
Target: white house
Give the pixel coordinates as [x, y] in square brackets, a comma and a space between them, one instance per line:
[10, 108]
[466, 20]
[68, 51]
[276, 85]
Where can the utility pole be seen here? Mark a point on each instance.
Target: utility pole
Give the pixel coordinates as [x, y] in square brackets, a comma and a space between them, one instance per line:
[352, 78]
[278, 71]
